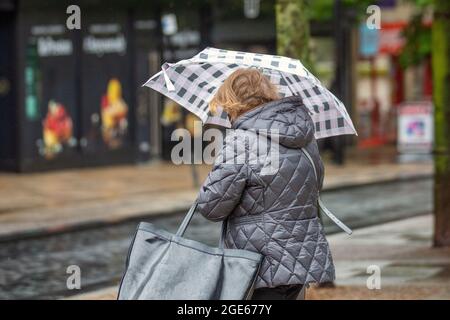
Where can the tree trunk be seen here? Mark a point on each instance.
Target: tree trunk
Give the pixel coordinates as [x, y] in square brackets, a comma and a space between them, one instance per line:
[441, 100]
[293, 30]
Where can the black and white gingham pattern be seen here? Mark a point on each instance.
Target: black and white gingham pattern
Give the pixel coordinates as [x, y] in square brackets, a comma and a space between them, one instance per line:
[195, 85]
[194, 82]
[257, 60]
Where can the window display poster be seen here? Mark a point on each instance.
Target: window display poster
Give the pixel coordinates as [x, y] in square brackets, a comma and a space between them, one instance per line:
[105, 84]
[49, 89]
[415, 127]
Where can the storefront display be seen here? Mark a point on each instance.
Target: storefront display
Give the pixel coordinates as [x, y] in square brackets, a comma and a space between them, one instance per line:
[105, 87]
[182, 42]
[74, 97]
[114, 113]
[49, 93]
[147, 60]
[57, 131]
[75, 106]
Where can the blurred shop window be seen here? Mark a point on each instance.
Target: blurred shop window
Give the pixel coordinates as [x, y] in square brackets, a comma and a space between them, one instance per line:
[172, 114]
[190, 124]
[169, 24]
[252, 8]
[244, 25]
[322, 53]
[258, 49]
[171, 119]
[181, 34]
[181, 40]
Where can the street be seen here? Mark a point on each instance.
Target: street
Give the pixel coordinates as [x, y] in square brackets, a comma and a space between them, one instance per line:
[123, 112]
[35, 268]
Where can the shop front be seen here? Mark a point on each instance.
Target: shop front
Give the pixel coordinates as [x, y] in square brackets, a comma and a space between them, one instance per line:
[385, 85]
[74, 97]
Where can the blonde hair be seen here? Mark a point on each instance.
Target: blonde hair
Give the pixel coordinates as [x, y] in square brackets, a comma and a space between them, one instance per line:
[243, 90]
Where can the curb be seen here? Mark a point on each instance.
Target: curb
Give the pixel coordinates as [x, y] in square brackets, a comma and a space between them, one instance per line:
[398, 178]
[83, 225]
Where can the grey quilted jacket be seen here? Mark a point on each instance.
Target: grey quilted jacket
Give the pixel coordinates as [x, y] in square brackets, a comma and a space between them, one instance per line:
[271, 205]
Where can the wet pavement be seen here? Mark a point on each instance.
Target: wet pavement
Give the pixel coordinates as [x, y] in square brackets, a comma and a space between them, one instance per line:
[36, 268]
[42, 203]
[409, 266]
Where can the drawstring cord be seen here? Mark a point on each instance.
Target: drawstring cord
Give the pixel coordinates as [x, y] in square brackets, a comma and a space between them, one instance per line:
[322, 207]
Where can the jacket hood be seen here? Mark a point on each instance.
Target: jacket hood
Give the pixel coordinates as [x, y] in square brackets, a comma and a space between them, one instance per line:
[288, 117]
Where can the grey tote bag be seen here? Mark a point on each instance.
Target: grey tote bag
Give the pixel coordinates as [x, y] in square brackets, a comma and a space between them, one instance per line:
[161, 265]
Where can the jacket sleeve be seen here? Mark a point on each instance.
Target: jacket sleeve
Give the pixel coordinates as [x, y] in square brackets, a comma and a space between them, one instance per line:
[222, 189]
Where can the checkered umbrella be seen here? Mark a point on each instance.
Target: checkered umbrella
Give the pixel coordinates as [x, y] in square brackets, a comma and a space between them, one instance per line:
[193, 83]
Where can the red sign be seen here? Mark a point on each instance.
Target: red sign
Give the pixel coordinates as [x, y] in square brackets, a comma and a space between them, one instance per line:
[391, 38]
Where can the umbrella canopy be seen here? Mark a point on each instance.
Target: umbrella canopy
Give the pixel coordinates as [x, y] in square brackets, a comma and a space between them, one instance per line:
[193, 83]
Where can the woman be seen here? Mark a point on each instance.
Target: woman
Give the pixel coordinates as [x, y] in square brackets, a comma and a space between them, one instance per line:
[273, 212]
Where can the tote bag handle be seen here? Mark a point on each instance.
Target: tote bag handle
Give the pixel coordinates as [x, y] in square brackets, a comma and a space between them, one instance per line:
[187, 219]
